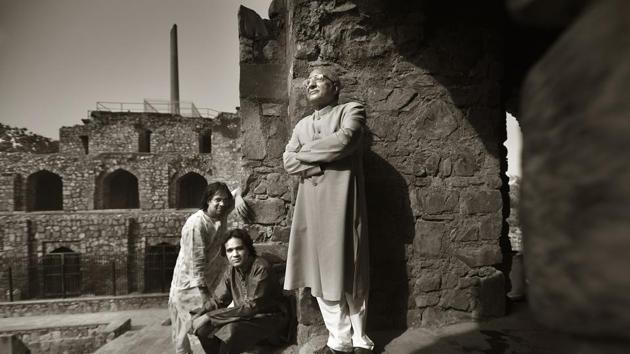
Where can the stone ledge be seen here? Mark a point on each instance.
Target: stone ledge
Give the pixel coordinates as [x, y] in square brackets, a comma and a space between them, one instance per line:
[81, 305]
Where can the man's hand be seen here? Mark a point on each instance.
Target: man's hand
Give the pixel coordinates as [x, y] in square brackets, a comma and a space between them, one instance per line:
[204, 294]
[242, 209]
[198, 321]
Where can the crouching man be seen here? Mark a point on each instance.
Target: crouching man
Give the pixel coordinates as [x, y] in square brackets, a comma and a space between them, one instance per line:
[248, 284]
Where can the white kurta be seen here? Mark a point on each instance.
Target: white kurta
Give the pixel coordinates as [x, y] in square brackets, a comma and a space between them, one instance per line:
[199, 252]
[328, 246]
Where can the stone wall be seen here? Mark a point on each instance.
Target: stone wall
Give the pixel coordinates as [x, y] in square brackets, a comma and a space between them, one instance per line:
[575, 195]
[71, 340]
[101, 238]
[82, 305]
[122, 131]
[429, 75]
[156, 173]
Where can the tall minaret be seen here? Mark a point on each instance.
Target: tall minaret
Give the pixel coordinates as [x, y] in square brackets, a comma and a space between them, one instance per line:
[174, 72]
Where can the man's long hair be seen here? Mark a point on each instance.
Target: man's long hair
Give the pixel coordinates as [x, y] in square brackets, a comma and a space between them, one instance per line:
[241, 235]
[211, 190]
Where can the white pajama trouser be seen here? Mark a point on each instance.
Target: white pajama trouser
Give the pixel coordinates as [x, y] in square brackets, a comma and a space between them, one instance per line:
[346, 320]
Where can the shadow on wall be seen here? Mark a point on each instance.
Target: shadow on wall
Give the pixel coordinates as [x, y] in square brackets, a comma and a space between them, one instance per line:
[390, 228]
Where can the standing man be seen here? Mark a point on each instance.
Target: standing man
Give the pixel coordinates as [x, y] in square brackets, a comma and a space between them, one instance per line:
[202, 232]
[258, 311]
[328, 247]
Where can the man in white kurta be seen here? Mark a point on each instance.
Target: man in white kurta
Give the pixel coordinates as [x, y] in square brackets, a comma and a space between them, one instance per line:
[202, 233]
[328, 246]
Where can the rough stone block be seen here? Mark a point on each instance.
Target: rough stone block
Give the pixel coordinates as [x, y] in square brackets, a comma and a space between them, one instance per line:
[428, 282]
[307, 308]
[458, 299]
[281, 234]
[438, 121]
[268, 211]
[446, 167]
[272, 109]
[428, 238]
[266, 81]
[481, 202]
[464, 165]
[432, 163]
[480, 256]
[310, 342]
[254, 141]
[425, 300]
[273, 252]
[490, 301]
[490, 228]
[466, 234]
[438, 200]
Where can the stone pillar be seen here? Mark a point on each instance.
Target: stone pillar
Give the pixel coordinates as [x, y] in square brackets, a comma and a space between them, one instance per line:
[576, 192]
[429, 75]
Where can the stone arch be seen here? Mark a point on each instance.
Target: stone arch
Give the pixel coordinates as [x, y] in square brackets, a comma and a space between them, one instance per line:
[186, 188]
[62, 273]
[189, 189]
[44, 191]
[117, 190]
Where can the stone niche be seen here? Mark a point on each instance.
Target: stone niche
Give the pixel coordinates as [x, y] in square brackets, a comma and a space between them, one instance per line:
[429, 75]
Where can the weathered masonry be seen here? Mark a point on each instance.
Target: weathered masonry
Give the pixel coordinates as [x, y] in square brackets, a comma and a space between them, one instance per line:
[431, 83]
[436, 78]
[104, 214]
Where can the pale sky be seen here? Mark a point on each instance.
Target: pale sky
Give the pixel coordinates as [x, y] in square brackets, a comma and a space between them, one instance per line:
[59, 57]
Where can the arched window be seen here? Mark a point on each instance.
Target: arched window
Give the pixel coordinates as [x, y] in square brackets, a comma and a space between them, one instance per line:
[44, 191]
[62, 273]
[159, 263]
[189, 189]
[117, 190]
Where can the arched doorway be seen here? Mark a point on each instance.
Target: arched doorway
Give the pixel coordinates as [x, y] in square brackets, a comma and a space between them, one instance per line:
[118, 190]
[62, 273]
[44, 191]
[159, 263]
[189, 189]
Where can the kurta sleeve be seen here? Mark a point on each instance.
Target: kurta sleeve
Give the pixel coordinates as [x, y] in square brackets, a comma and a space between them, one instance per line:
[261, 300]
[341, 143]
[199, 259]
[293, 165]
[222, 295]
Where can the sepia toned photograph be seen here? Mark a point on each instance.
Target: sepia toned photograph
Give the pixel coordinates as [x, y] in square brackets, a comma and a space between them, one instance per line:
[314, 177]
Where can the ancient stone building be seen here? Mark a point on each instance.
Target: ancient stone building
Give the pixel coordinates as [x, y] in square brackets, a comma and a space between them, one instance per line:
[436, 78]
[104, 215]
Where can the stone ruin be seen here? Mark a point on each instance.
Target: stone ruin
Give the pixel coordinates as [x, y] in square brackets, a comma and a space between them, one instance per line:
[119, 190]
[436, 78]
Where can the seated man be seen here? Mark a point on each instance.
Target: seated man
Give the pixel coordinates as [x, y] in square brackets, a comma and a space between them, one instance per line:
[258, 311]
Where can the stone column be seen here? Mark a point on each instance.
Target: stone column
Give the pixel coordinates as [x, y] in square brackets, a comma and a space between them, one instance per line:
[576, 179]
[429, 76]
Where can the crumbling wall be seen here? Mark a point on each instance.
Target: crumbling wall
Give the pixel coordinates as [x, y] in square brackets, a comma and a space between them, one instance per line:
[100, 237]
[429, 75]
[81, 176]
[575, 193]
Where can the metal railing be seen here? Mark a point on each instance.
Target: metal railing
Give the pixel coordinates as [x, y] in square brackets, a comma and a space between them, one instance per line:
[183, 108]
[73, 274]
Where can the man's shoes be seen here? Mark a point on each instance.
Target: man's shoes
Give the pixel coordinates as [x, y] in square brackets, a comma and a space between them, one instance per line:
[361, 351]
